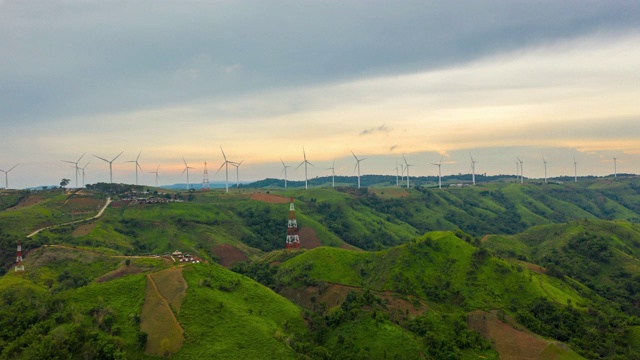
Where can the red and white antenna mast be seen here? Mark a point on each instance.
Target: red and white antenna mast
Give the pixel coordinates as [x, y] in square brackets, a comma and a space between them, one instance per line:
[293, 240]
[205, 179]
[19, 264]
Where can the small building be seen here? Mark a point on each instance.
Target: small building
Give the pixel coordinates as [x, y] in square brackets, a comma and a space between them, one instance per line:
[177, 253]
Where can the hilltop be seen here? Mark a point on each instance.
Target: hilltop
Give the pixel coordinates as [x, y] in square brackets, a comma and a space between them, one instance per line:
[384, 271]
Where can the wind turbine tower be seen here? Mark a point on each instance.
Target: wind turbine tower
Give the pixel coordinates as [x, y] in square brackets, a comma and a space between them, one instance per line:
[75, 164]
[439, 165]
[186, 168]
[333, 173]
[237, 165]
[226, 169]
[205, 179]
[357, 166]
[305, 162]
[397, 174]
[156, 172]
[137, 165]
[517, 170]
[110, 165]
[473, 170]
[575, 170]
[83, 174]
[521, 171]
[406, 165]
[615, 168]
[284, 171]
[6, 176]
[545, 169]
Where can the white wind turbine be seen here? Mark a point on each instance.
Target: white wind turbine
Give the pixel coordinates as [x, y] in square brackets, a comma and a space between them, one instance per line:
[406, 165]
[401, 172]
[305, 162]
[110, 165]
[6, 176]
[156, 172]
[83, 174]
[575, 169]
[397, 174]
[521, 170]
[237, 165]
[545, 169]
[137, 165]
[186, 168]
[615, 168]
[75, 164]
[473, 170]
[439, 165]
[284, 171]
[517, 170]
[333, 173]
[357, 166]
[226, 169]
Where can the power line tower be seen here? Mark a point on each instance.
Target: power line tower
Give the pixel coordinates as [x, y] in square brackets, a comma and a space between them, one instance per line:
[19, 264]
[293, 240]
[205, 179]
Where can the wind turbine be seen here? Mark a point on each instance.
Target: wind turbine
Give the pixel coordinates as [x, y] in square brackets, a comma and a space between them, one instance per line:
[521, 170]
[473, 169]
[76, 166]
[137, 165]
[237, 165]
[401, 172]
[83, 175]
[156, 172]
[615, 168]
[186, 168]
[517, 170]
[575, 169]
[305, 162]
[6, 176]
[397, 174]
[110, 165]
[284, 170]
[406, 165]
[357, 166]
[226, 168]
[439, 165]
[333, 173]
[545, 169]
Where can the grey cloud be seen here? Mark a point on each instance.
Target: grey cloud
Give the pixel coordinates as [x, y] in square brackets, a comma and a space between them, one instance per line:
[77, 58]
[380, 129]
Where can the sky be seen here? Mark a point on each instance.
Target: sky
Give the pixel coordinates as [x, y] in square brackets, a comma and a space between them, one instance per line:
[497, 80]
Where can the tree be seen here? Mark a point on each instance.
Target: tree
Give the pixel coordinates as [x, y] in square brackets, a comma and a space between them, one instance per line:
[64, 183]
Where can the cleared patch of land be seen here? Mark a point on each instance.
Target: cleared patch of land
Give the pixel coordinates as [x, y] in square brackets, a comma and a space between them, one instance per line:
[514, 344]
[171, 286]
[83, 230]
[228, 254]
[164, 333]
[309, 238]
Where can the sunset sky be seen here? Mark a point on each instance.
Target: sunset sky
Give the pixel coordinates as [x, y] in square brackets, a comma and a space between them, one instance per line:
[263, 79]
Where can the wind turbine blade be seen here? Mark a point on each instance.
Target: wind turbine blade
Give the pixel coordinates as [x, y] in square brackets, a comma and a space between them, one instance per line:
[14, 166]
[309, 163]
[282, 162]
[241, 162]
[139, 155]
[67, 161]
[80, 157]
[300, 165]
[185, 162]
[114, 159]
[138, 165]
[185, 169]
[221, 166]
[304, 153]
[223, 155]
[354, 155]
[441, 157]
[101, 158]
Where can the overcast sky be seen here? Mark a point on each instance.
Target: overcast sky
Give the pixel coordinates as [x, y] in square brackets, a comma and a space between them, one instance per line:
[263, 79]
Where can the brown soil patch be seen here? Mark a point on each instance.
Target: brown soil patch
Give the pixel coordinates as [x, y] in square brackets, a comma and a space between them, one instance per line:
[120, 272]
[268, 198]
[28, 201]
[390, 192]
[308, 238]
[83, 230]
[84, 202]
[228, 254]
[164, 333]
[510, 343]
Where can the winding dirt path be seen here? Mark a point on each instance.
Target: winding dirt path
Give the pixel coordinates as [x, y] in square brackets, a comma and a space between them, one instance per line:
[104, 207]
